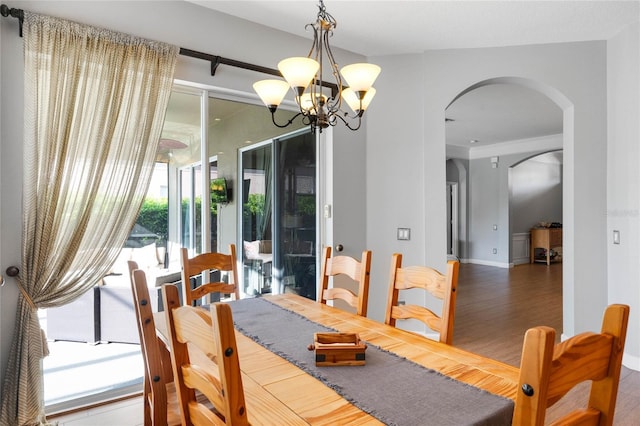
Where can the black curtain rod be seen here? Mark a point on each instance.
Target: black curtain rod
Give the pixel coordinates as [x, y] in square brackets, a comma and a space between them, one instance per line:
[217, 60]
[213, 59]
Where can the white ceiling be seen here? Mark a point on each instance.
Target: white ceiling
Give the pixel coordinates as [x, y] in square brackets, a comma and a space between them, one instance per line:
[491, 114]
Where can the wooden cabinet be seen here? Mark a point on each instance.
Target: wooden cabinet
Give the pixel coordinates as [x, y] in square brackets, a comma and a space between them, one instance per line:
[546, 238]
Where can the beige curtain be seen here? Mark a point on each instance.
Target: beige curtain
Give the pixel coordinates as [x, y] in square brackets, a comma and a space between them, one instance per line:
[95, 102]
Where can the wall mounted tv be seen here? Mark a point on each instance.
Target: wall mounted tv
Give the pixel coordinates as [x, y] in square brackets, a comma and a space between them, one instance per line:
[219, 191]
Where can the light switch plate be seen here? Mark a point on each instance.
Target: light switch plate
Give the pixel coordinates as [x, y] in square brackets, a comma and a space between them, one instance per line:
[404, 233]
[616, 237]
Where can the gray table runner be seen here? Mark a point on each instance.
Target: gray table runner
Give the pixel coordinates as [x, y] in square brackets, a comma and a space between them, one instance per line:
[391, 388]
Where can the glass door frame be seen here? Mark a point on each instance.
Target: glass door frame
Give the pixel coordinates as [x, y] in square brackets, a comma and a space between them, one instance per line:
[193, 168]
[276, 207]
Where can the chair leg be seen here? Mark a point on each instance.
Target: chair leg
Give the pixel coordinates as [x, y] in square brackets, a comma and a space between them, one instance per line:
[166, 361]
[146, 394]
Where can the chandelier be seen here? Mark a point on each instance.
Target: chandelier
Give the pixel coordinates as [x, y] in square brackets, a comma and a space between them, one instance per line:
[319, 108]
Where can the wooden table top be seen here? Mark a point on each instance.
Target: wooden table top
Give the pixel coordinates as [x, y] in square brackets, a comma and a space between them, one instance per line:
[272, 385]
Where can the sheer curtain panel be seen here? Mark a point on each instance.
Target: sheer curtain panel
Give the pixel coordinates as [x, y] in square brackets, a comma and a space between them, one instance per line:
[95, 102]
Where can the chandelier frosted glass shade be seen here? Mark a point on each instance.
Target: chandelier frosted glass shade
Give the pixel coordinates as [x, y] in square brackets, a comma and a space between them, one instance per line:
[298, 72]
[353, 100]
[360, 77]
[272, 92]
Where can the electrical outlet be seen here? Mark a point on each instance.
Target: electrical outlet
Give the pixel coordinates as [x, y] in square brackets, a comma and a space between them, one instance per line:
[401, 302]
[495, 251]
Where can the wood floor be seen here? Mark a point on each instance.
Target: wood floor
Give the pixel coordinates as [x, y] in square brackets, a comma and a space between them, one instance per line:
[495, 307]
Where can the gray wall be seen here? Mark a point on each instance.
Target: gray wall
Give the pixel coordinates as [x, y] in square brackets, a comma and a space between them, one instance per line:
[623, 181]
[573, 75]
[536, 193]
[499, 198]
[596, 86]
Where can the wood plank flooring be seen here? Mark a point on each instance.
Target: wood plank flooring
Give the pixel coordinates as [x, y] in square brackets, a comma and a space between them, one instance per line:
[495, 306]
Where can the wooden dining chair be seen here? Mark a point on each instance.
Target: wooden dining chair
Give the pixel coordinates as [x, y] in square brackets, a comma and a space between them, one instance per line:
[204, 357]
[358, 270]
[206, 262]
[441, 286]
[160, 399]
[549, 371]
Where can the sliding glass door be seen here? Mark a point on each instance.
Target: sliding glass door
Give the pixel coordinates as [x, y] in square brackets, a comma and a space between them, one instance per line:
[279, 224]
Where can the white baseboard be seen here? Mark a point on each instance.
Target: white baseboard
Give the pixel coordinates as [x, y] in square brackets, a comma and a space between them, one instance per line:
[631, 361]
[487, 263]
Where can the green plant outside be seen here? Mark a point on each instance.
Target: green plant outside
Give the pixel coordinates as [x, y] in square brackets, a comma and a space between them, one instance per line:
[307, 204]
[254, 204]
[154, 215]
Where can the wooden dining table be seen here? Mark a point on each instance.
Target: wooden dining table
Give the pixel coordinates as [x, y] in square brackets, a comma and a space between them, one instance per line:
[278, 392]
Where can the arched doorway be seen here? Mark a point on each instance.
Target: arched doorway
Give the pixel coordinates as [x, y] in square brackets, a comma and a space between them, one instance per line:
[486, 168]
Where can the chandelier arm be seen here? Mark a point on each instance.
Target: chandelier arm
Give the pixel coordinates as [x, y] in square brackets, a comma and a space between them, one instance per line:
[282, 126]
[346, 115]
[346, 123]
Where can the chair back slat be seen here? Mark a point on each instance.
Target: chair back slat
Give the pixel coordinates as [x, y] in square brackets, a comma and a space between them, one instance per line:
[205, 262]
[358, 271]
[440, 286]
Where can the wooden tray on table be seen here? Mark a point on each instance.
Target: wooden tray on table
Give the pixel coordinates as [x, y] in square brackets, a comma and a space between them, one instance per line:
[335, 349]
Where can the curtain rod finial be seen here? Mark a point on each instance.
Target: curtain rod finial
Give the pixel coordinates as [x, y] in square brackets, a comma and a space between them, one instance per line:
[14, 13]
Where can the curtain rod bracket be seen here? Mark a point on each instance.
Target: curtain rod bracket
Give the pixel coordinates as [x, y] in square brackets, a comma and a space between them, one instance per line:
[214, 65]
[14, 13]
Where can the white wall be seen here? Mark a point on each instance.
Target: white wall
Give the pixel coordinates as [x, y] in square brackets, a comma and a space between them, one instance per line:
[571, 74]
[189, 26]
[623, 181]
